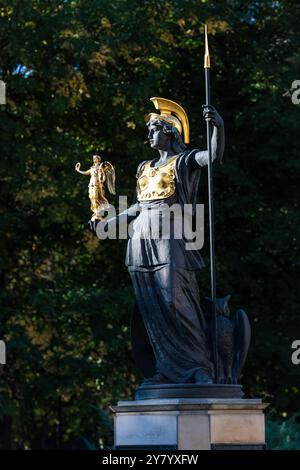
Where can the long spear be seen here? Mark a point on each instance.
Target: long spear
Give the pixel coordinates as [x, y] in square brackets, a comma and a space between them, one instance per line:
[211, 214]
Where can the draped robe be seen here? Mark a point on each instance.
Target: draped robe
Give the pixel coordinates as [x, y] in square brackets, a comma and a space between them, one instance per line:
[163, 274]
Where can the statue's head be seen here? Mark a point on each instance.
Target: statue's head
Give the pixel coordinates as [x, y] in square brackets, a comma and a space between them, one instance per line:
[96, 159]
[164, 136]
[168, 130]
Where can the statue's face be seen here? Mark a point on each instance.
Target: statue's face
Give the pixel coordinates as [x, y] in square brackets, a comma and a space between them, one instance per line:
[96, 159]
[157, 138]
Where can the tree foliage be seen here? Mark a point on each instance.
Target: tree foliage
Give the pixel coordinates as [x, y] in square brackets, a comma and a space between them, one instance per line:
[79, 76]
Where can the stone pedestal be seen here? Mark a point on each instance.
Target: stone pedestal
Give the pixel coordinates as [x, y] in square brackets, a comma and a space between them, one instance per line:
[190, 424]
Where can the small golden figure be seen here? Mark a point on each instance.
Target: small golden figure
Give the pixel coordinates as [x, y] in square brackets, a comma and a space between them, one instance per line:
[99, 174]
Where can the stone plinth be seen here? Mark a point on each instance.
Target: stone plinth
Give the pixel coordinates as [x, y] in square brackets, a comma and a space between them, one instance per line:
[190, 424]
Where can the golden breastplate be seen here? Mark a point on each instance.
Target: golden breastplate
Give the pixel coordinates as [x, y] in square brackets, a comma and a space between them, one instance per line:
[156, 182]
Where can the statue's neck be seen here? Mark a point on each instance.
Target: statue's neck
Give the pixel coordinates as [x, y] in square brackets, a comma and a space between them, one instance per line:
[164, 155]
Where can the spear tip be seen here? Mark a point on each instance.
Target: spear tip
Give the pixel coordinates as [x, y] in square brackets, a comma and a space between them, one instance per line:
[206, 56]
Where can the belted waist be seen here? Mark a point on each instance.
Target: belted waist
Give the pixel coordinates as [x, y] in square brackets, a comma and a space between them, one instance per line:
[158, 205]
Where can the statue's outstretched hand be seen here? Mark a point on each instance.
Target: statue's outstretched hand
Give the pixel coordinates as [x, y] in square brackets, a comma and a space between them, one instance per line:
[211, 114]
[93, 225]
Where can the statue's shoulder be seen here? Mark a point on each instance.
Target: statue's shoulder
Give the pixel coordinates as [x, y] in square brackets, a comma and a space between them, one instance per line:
[187, 152]
[184, 157]
[141, 166]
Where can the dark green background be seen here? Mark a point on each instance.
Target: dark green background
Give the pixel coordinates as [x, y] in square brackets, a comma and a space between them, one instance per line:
[79, 76]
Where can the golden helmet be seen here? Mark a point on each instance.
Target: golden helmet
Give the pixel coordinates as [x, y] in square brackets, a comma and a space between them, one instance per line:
[173, 114]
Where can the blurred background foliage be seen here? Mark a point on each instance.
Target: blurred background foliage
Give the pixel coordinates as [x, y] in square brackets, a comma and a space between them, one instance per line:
[79, 76]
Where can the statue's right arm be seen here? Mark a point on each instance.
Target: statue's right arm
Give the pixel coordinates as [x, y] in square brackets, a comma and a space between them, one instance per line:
[123, 218]
[126, 216]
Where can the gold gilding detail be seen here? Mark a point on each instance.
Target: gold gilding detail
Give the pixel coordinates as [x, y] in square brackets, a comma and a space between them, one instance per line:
[99, 173]
[169, 119]
[172, 113]
[206, 55]
[156, 182]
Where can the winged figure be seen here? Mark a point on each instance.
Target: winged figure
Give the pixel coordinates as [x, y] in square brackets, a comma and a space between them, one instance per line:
[100, 173]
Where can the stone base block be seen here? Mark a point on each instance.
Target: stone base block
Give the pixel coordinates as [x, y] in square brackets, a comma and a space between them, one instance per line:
[190, 424]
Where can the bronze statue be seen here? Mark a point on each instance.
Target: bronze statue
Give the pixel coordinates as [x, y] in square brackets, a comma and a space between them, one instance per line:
[163, 272]
[170, 318]
[171, 327]
[176, 337]
[99, 174]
